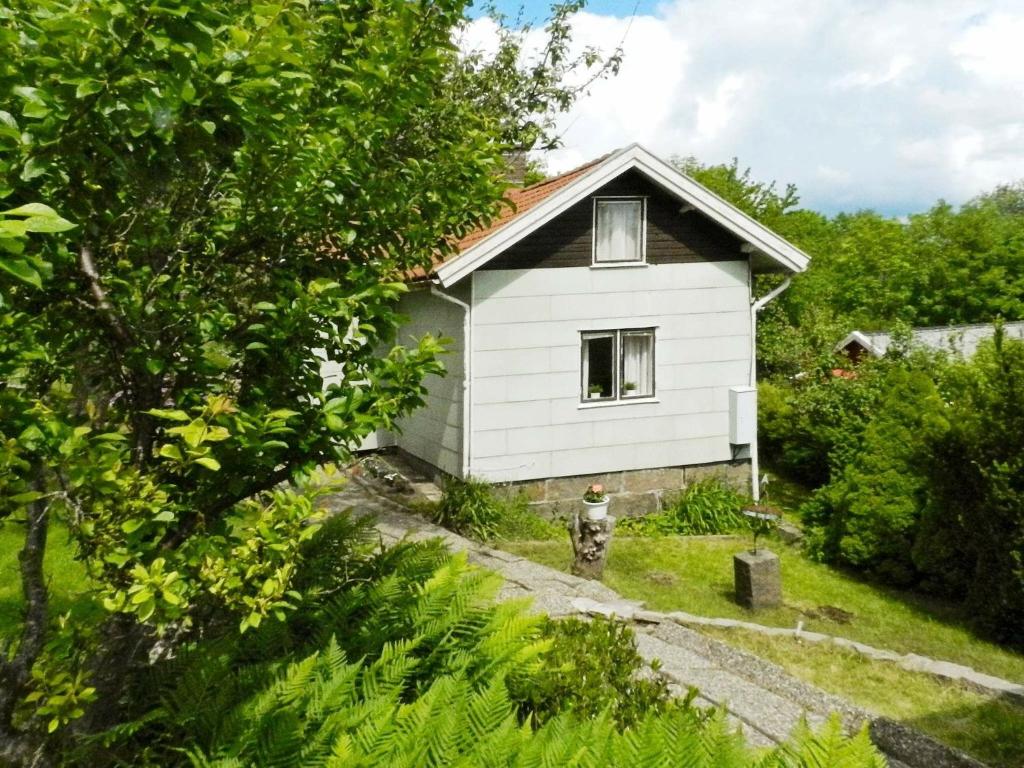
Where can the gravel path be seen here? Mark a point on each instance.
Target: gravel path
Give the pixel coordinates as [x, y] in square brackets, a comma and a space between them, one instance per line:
[760, 697]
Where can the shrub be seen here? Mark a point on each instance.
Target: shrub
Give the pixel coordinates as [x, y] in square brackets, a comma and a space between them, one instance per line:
[972, 531]
[704, 508]
[469, 507]
[869, 514]
[476, 509]
[933, 491]
[592, 666]
[411, 662]
[811, 428]
[518, 523]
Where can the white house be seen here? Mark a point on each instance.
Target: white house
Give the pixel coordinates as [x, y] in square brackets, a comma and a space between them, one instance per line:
[603, 331]
[956, 340]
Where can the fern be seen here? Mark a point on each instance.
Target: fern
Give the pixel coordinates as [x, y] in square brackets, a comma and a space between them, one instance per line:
[413, 666]
[454, 722]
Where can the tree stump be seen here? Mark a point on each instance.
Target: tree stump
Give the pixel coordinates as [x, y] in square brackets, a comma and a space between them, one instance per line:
[590, 542]
[758, 579]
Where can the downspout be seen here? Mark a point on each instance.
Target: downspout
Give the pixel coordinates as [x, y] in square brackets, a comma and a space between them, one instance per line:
[755, 307]
[467, 366]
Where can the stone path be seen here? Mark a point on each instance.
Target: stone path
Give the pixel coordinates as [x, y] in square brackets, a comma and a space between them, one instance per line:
[760, 697]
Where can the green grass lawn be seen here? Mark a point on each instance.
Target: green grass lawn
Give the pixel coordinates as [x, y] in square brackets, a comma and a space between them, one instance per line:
[67, 577]
[990, 729]
[695, 575]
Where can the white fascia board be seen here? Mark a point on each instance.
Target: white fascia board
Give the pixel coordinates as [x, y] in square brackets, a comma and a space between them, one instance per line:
[860, 338]
[452, 271]
[722, 212]
[660, 172]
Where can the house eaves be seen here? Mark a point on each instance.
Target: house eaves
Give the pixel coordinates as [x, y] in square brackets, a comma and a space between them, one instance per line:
[758, 238]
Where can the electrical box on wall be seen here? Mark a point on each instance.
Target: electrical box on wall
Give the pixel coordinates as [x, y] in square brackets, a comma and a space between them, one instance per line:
[742, 415]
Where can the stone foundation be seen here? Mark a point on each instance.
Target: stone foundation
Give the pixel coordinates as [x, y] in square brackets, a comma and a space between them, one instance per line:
[632, 492]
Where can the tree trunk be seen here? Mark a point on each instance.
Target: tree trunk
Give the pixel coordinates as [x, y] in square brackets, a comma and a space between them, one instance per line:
[591, 540]
[19, 747]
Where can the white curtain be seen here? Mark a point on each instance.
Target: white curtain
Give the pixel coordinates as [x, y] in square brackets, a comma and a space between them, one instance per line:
[618, 230]
[637, 364]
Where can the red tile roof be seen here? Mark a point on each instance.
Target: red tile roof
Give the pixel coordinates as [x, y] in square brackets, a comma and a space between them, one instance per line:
[521, 200]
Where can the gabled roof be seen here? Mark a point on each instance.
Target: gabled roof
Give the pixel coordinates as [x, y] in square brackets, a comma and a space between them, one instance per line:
[523, 199]
[961, 340]
[539, 203]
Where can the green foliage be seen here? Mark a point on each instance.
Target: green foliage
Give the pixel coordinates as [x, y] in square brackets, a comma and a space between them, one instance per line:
[323, 710]
[428, 674]
[815, 425]
[15, 226]
[870, 513]
[469, 507]
[971, 540]
[868, 271]
[401, 657]
[518, 522]
[483, 512]
[759, 200]
[250, 185]
[921, 482]
[591, 668]
[704, 508]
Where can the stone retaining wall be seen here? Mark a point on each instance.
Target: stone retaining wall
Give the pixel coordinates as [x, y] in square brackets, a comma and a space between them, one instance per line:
[632, 492]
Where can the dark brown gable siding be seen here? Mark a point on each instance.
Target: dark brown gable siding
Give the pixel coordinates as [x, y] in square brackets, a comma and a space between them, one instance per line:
[672, 238]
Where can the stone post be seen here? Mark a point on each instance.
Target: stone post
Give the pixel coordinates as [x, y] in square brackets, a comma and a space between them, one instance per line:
[758, 579]
[590, 542]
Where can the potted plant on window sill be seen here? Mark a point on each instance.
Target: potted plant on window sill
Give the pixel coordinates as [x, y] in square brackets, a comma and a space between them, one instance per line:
[596, 502]
[594, 392]
[629, 387]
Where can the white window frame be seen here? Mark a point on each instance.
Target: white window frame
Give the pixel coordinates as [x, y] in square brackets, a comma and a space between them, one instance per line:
[642, 261]
[618, 395]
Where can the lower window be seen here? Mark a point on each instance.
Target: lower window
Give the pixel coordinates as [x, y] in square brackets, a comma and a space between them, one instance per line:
[617, 365]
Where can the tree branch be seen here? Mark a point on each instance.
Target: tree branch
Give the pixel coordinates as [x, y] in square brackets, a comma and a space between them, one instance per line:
[88, 268]
[16, 672]
[175, 538]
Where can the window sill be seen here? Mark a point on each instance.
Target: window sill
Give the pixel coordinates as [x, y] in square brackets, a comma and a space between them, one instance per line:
[612, 403]
[620, 265]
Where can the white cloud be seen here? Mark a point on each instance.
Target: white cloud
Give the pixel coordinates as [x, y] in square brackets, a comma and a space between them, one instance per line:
[866, 104]
[872, 79]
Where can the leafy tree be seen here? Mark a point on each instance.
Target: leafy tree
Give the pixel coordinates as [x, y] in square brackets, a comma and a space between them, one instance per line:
[250, 184]
[757, 199]
[873, 507]
[972, 532]
[813, 427]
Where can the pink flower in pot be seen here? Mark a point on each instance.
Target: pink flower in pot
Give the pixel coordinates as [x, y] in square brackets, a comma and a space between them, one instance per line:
[596, 502]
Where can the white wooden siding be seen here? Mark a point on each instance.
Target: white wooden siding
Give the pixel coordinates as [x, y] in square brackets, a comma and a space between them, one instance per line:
[526, 417]
[434, 432]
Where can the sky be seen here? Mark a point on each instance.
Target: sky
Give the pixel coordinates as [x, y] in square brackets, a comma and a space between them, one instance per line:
[882, 104]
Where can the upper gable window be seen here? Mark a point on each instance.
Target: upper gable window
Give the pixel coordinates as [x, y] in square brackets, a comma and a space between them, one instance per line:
[619, 230]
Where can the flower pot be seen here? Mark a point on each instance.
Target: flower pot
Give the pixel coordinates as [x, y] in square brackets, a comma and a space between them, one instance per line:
[593, 396]
[597, 510]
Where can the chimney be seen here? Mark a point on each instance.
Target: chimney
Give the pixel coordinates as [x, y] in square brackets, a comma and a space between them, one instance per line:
[516, 165]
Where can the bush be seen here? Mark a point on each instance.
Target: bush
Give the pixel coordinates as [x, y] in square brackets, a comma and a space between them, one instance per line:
[474, 508]
[869, 514]
[469, 507]
[932, 492]
[810, 429]
[704, 508]
[411, 662]
[592, 666]
[972, 530]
